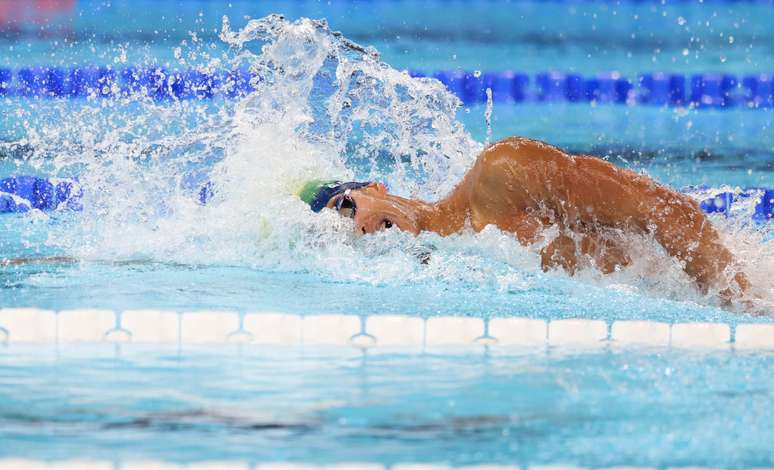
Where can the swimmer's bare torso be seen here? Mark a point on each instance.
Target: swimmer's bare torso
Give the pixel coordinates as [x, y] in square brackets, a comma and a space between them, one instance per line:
[523, 186]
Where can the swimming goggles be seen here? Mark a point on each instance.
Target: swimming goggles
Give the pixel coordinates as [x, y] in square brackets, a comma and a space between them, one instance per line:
[346, 206]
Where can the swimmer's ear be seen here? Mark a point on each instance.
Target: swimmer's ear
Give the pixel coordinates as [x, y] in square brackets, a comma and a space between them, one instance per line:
[379, 187]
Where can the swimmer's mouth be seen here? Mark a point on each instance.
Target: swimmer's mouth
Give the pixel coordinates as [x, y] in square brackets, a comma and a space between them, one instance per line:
[346, 206]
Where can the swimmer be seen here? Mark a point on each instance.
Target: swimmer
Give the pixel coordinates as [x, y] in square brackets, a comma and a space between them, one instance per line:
[523, 186]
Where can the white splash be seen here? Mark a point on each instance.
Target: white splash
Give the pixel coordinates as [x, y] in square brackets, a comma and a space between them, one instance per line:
[323, 107]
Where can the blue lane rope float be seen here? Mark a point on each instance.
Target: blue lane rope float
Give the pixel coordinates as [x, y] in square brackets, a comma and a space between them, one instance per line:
[106, 82]
[24, 193]
[705, 90]
[659, 89]
[721, 203]
[19, 194]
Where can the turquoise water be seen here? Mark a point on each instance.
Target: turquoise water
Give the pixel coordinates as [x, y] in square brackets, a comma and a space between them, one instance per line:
[602, 409]
[630, 37]
[142, 241]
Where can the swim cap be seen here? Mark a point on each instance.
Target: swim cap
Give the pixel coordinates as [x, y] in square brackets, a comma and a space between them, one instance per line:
[317, 193]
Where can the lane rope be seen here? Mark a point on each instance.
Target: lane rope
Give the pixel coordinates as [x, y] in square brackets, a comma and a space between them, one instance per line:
[378, 332]
[700, 90]
[19, 194]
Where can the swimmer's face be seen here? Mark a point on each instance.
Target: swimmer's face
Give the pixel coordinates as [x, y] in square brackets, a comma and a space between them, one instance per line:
[373, 209]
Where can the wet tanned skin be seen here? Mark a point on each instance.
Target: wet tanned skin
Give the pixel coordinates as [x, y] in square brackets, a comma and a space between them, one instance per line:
[523, 186]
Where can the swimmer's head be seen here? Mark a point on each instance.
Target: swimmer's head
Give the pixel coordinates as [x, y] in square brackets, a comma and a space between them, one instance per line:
[368, 204]
[317, 193]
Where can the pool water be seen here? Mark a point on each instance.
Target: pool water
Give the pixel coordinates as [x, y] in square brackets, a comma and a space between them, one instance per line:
[631, 37]
[593, 409]
[327, 108]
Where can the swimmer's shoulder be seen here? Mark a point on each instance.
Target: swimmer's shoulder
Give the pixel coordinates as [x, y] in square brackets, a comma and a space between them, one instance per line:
[515, 152]
[595, 168]
[524, 151]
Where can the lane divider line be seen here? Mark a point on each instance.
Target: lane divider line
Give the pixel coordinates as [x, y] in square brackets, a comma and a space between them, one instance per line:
[29, 325]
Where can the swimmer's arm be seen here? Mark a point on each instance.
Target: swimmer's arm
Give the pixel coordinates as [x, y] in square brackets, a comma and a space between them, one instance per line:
[599, 192]
[602, 192]
[563, 251]
[680, 226]
[588, 191]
